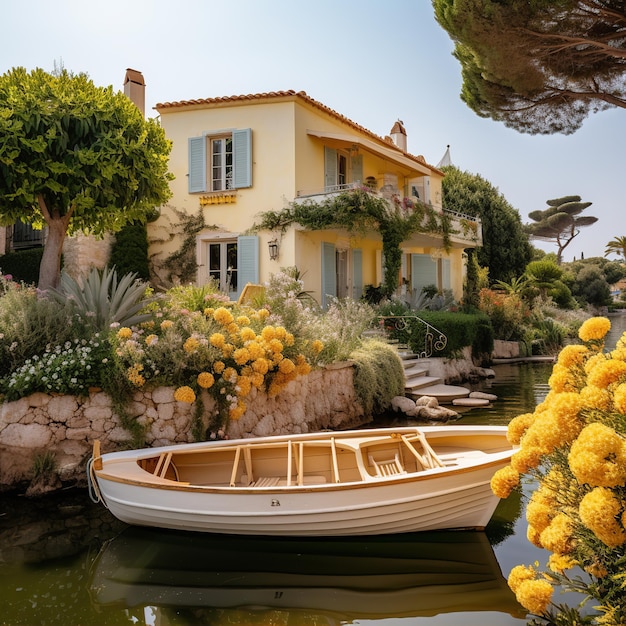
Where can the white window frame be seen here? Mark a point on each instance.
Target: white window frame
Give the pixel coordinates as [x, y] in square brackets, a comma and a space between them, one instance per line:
[224, 165]
[226, 272]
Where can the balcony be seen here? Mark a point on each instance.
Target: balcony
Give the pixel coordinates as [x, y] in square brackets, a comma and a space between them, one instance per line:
[465, 230]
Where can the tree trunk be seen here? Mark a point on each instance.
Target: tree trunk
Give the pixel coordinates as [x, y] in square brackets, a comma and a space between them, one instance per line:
[50, 268]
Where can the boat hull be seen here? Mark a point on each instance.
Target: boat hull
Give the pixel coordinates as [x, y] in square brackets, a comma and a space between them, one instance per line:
[440, 498]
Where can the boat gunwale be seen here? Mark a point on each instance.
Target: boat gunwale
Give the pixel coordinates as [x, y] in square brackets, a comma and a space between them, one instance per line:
[225, 444]
[152, 481]
[172, 485]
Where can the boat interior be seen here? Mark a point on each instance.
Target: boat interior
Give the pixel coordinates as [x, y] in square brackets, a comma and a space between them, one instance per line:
[327, 460]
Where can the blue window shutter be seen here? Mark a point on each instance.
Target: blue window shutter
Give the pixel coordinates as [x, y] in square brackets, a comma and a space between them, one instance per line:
[197, 164]
[357, 168]
[329, 273]
[445, 274]
[423, 272]
[247, 261]
[242, 158]
[357, 274]
[330, 167]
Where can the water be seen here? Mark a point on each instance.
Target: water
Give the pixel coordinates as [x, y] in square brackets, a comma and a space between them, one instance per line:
[64, 560]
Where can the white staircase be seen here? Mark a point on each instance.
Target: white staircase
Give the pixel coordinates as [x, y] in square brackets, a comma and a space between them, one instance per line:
[418, 382]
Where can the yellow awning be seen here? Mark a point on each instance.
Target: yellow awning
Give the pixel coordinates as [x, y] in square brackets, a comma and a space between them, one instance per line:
[389, 154]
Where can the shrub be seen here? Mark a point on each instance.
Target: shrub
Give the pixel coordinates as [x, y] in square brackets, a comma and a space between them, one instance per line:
[507, 313]
[70, 368]
[378, 377]
[23, 265]
[101, 300]
[460, 329]
[28, 325]
[195, 298]
[226, 351]
[129, 252]
[340, 328]
[548, 337]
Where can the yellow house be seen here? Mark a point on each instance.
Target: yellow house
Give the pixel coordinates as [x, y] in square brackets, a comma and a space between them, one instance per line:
[237, 157]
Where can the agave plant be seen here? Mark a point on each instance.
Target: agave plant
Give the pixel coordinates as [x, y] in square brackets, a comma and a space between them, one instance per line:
[100, 299]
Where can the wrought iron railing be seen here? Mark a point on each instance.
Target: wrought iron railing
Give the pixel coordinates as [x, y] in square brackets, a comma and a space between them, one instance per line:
[421, 337]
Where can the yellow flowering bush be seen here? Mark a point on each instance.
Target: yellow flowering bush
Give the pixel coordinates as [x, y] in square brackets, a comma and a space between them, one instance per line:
[218, 355]
[226, 351]
[574, 446]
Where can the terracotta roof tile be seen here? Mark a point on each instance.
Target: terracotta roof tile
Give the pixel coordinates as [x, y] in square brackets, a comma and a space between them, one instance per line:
[162, 106]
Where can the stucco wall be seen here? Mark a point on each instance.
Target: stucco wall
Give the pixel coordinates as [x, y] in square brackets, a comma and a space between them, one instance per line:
[67, 425]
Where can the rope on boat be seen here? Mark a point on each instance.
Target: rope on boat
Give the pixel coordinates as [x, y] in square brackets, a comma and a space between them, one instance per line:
[92, 484]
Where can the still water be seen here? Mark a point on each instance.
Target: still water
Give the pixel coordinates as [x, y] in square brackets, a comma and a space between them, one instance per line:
[64, 560]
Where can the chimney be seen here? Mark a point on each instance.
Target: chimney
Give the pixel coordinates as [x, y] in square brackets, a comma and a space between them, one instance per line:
[135, 89]
[398, 134]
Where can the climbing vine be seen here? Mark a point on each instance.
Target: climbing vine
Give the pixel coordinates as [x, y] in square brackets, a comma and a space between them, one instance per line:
[180, 266]
[361, 211]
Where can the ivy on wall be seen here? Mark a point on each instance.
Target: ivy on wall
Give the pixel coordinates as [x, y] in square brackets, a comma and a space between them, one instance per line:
[360, 211]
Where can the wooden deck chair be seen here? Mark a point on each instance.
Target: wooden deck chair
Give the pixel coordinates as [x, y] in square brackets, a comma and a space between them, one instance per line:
[387, 467]
[250, 292]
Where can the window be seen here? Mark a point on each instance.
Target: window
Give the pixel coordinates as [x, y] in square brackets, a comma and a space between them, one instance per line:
[221, 164]
[222, 265]
[342, 273]
[220, 161]
[25, 236]
[229, 261]
[340, 168]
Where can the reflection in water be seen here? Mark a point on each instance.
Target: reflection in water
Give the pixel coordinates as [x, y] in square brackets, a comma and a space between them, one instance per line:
[216, 579]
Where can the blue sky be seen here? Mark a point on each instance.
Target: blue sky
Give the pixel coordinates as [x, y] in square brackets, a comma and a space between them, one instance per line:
[374, 61]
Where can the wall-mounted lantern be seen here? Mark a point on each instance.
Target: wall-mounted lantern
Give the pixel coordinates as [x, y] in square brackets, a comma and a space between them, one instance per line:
[273, 249]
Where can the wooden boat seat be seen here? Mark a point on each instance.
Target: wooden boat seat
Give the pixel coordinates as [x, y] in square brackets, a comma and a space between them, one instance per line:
[453, 458]
[266, 481]
[387, 467]
[277, 481]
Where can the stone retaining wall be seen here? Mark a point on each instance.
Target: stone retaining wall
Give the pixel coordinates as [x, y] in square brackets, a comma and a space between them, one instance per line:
[68, 425]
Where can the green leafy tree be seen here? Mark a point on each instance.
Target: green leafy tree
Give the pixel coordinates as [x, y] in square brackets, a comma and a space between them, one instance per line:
[617, 245]
[560, 222]
[129, 252]
[604, 273]
[506, 250]
[543, 275]
[591, 287]
[538, 66]
[75, 158]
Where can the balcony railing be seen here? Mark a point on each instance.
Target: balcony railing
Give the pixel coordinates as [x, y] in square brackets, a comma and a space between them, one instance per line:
[422, 338]
[333, 189]
[465, 227]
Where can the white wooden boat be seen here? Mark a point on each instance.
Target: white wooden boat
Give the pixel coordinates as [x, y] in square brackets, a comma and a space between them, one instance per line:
[359, 482]
[231, 579]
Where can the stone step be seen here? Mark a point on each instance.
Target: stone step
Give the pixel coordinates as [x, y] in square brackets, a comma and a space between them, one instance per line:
[445, 394]
[471, 402]
[404, 352]
[419, 382]
[411, 361]
[413, 371]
